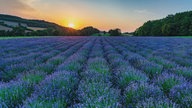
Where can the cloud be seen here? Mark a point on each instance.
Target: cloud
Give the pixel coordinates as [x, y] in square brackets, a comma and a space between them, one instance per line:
[143, 11]
[15, 7]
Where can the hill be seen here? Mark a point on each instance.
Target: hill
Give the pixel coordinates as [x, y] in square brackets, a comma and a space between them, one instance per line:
[179, 24]
[16, 26]
[26, 22]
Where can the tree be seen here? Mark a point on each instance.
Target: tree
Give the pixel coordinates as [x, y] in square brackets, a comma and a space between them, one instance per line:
[88, 31]
[18, 31]
[3, 33]
[190, 30]
[115, 32]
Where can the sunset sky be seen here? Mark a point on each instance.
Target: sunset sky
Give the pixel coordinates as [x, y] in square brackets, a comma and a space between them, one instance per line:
[102, 14]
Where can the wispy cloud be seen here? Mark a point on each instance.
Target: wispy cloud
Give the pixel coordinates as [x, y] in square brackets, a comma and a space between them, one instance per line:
[15, 7]
[143, 11]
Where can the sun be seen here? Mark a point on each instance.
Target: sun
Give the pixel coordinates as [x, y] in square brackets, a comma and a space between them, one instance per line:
[71, 25]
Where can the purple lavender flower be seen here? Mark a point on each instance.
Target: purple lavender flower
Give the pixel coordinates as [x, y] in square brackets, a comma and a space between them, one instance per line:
[157, 103]
[137, 92]
[182, 94]
[167, 81]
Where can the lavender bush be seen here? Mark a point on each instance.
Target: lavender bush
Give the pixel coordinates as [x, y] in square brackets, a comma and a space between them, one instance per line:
[157, 103]
[183, 71]
[140, 91]
[182, 94]
[97, 94]
[166, 81]
[11, 95]
[129, 76]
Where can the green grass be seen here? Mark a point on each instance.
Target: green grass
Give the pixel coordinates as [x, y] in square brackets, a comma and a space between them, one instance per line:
[22, 37]
[184, 36]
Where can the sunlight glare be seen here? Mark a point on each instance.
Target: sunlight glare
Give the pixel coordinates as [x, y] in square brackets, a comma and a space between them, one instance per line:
[71, 25]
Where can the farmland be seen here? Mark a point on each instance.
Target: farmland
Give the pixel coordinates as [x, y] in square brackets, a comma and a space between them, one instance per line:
[90, 72]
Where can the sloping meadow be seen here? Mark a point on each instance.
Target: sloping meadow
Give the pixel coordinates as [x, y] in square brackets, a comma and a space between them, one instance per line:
[96, 72]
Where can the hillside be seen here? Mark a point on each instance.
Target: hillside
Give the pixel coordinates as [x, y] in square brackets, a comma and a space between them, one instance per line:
[14, 26]
[26, 22]
[179, 24]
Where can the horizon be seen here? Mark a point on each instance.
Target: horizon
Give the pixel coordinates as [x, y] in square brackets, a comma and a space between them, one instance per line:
[101, 14]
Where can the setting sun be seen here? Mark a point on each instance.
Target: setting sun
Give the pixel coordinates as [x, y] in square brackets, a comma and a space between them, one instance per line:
[71, 25]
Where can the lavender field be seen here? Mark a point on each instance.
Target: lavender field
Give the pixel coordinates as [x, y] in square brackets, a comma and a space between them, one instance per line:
[96, 72]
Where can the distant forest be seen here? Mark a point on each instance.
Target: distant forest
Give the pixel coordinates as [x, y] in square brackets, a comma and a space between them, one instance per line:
[179, 24]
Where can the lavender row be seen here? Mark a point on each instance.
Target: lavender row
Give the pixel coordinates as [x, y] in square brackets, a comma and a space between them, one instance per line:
[95, 88]
[123, 72]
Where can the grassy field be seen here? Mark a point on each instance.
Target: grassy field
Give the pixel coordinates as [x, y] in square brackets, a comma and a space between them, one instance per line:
[96, 72]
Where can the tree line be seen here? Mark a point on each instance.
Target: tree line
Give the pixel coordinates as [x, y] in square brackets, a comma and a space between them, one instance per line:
[58, 31]
[179, 24]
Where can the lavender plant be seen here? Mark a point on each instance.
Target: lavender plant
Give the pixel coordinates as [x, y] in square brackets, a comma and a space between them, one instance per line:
[99, 65]
[157, 103]
[11, 95]
[47, 68]
[137, 92]
[97, 94]
[167, 81]
[149, 68]
[182, 94]
[130, 76]
[183, 71]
